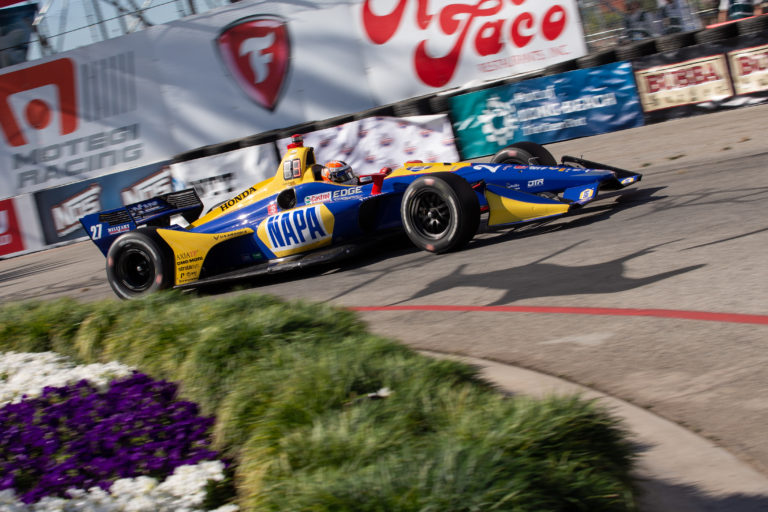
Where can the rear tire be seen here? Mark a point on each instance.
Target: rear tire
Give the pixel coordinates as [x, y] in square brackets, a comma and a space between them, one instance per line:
[440, 212]
[525, 153]
[139, 263]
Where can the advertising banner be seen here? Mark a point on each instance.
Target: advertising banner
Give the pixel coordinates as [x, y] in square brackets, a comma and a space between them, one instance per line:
[15, 31]
[11, 239]
[549, 109]
[413, 47]
[95, 111]
[219, 177]
[60, 208]
[749, 67]
[375, 142]
[703, 78]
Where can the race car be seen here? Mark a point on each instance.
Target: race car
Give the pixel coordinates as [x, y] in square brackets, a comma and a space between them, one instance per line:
[299, 216]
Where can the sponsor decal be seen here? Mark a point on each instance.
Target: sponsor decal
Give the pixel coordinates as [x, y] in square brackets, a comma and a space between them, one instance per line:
[535, 183]
[324, 197]
[149, 187]
[486, 28]
[317, 198]
[232, 234]
[10, 235]
[296, 229]
[66, 215]
[683, 83]
[239, 197]
[419, 168]
[627, 181]
[586, 194]
[272, 208]
[256, 50]
[750, 69]
[116, 230]
[513, 186]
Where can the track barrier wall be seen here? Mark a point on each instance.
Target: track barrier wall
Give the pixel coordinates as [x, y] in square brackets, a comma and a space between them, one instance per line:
[672, 76]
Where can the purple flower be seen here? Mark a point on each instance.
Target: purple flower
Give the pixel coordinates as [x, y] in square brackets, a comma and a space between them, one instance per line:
[74, 436]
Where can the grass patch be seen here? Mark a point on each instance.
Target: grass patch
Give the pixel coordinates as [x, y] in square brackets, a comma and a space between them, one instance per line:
[288, 384]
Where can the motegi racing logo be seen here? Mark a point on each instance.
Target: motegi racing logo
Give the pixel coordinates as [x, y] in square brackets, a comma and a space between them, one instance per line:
[256, 50]
[51, 118]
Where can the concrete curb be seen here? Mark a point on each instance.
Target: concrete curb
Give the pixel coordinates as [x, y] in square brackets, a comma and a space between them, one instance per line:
[678, 470]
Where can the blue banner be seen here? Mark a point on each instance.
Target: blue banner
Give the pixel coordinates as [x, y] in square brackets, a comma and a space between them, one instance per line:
[60, 208]
[549, 109]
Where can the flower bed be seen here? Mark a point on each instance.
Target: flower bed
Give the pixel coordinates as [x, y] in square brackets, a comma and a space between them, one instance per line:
[115, 437]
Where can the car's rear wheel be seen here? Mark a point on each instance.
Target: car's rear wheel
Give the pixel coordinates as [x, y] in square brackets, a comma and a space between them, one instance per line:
[440, 212]
[139, 263]
[525, 153]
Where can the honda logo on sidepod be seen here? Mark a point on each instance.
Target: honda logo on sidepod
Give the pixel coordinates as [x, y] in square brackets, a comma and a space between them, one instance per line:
[256, 51]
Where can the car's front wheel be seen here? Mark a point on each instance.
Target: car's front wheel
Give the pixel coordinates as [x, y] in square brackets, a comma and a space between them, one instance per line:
[440, 212]
[139, 263]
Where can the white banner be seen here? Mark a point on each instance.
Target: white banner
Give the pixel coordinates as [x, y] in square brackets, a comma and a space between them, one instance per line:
[219, 177]
[256, 66]
[370, 144]
[83, 114]
[414, 47]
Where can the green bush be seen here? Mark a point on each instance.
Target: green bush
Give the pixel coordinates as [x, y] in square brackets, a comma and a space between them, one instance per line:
[289, 385]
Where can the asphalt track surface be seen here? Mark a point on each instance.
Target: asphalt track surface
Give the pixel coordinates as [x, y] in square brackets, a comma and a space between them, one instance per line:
[657, 295]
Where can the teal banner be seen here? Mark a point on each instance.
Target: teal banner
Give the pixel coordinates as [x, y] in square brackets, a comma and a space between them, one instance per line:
[549, 109]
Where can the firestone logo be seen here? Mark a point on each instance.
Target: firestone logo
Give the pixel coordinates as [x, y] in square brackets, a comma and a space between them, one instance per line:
[256, 51]
[37, 113]
[486, 25]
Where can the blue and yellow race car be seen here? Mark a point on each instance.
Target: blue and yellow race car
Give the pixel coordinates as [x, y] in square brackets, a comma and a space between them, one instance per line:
[301, 216]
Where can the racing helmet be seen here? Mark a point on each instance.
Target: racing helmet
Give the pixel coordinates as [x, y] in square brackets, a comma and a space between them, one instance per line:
[337, 171]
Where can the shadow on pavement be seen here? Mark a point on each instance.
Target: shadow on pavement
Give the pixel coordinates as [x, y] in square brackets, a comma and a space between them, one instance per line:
[659, 496]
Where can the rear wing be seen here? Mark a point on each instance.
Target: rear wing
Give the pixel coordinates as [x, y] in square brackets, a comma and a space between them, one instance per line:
[103, 227]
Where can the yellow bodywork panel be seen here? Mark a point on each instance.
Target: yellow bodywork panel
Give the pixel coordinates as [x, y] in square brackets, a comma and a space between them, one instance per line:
[190, 249]
[426, 168]
[504, 210]
[295, 168]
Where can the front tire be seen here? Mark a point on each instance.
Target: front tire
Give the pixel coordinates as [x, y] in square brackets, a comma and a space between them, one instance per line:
[139, 263]
[525, 153]
[440, 212]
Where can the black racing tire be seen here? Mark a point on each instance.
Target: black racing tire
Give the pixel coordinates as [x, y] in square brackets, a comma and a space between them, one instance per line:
[138, 264]
[525, 153]
[440, 212]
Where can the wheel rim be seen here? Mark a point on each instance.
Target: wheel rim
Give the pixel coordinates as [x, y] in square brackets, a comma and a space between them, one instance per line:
[134, 269]
[431, 214]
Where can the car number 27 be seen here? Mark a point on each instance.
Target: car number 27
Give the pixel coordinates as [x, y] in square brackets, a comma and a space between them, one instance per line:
[96, 232]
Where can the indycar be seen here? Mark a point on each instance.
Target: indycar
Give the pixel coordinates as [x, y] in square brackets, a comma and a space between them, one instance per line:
[296, 218]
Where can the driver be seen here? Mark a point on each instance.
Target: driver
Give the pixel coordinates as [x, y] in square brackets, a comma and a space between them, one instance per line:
[340, 172]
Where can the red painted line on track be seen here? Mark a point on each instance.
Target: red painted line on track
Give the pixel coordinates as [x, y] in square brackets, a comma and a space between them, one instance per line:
[656, 313]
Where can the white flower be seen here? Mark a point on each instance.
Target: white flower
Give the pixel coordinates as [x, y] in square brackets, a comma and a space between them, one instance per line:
[28, 373]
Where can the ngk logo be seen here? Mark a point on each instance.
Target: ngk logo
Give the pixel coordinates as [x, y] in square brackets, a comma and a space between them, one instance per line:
[66, 214]
[149, 187]
[32, 98]
[256, 50]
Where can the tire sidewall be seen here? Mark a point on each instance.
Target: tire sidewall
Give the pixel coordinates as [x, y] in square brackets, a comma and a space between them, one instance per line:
[452, 237]
[148, 243]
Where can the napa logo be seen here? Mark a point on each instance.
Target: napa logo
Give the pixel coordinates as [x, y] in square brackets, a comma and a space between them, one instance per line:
[298, 230]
